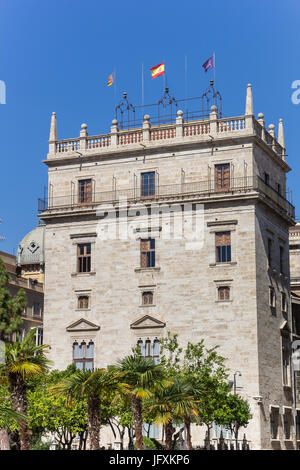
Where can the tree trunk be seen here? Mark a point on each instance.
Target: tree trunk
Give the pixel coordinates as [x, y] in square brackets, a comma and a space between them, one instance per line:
[187, 423]
[4, 440]
[136, 407]
[169, 435]
[207, 443]
[94, 422]
[19, 404]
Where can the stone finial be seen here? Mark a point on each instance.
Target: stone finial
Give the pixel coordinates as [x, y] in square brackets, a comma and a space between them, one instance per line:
[249, 101]
[146, 117]
[83, 131]
[179, 112]
[214, 108]
[114, 122]
[53, 128]
[272, 130]
[261, 119]
[280, 133]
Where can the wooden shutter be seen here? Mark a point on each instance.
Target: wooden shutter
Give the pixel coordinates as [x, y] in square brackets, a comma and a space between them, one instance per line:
[222, 177]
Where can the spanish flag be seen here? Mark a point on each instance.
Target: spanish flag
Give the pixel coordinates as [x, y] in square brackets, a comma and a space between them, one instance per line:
[110, 80]
[158, 70]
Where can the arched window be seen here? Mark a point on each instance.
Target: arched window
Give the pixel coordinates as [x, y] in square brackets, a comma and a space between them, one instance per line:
[150, 349]
[147, 298]
[83, 355]
[83, 302]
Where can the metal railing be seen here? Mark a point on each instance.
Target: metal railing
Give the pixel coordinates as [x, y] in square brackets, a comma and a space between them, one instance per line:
[198, 189]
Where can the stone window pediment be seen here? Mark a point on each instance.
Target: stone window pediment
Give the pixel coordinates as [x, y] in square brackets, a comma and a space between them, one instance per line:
[83, 325]
[147, 322]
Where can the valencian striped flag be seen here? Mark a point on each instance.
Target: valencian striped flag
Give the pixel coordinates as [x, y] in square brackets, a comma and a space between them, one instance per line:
[157, 70]
[111, 79]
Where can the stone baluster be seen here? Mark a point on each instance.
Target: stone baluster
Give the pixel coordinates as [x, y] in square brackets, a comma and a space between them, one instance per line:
[262, 123]
[114, 133]
[213, 120]
[272, 133]
[179, 123]
[83, 137]
[146, 128]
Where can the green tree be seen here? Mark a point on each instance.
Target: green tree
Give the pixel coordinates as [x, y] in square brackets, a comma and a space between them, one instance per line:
[23, 360]
[236, 414]
[11, 307]
[205, 371]
[94, 386]
[145, 378]
[51, 414]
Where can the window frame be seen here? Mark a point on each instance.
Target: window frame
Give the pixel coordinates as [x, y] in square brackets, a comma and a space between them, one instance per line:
[226, 288]
[85, 258]
[85, 191]
[80, 298]
[227, 252]
[147, 256]
[150, 185]
[84, 360]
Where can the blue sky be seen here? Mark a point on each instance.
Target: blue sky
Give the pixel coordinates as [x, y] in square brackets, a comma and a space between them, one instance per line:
[56, 56]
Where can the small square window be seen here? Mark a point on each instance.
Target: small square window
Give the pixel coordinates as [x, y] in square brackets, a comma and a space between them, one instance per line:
[223, 293]
[83, 302]
[147, 298]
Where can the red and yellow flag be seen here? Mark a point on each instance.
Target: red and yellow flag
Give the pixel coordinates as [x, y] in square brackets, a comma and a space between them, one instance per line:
[157, 70]
[110, 80]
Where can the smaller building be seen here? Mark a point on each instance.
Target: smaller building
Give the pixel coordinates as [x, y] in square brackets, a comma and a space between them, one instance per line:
[27, 272]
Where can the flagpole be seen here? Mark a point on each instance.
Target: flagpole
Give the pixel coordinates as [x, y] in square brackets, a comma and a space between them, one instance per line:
[214, 69]
[143, 89]
[115, 90]
[185, 79]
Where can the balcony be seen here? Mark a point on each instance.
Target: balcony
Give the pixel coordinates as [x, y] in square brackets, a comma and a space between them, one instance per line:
[198, 191]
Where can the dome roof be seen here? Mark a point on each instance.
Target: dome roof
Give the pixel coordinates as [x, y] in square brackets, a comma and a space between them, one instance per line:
[31, 248]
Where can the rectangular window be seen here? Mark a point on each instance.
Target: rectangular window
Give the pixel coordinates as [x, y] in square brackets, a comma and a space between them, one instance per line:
[36, 309]
[85, 191]
[287, 425]
[283, 302]
[223, 247]
[274, 423]
[84, 258]
[281, 253]
[223, 293]
[272, 298]
[83, 302]
[148, 184]
[269, 252]
[267, 178]
[148, 253]
[298, 425]
[222, 177]
[83, 355]
[286, 369]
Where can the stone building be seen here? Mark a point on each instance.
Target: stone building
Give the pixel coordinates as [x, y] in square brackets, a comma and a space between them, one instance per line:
[119, 275]
[33, 313]
[295, 305]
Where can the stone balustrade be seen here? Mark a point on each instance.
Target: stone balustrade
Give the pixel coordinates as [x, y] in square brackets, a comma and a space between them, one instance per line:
[179, 130]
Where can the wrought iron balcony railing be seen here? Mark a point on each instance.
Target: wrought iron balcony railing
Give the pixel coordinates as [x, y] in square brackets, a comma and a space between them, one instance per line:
[196, 190]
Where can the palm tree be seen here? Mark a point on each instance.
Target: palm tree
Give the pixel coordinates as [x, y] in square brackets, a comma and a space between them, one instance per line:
[7, 413]
[145, 378]
[94, 386]
[175, 402]
[23, 360]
